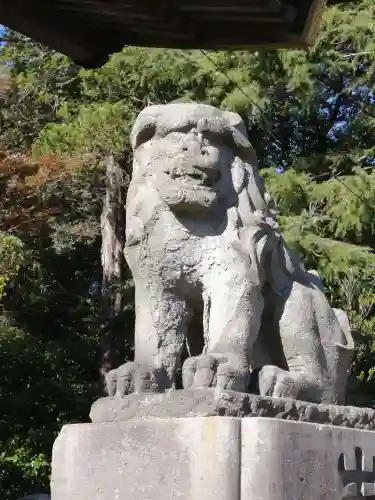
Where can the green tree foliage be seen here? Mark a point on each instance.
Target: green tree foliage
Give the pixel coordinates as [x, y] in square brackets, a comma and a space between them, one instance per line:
[49, 328]
[311, 118]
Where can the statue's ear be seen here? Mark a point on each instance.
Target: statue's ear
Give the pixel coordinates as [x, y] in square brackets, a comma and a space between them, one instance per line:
[143, 131]
[250, 191]
[238, 175]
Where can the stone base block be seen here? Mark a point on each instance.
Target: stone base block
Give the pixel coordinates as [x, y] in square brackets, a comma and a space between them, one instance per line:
[212, 458]
[197, 458]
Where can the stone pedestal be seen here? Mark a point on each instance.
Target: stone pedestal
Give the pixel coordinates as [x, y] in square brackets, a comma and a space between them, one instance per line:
[161, 459]
[212, 458]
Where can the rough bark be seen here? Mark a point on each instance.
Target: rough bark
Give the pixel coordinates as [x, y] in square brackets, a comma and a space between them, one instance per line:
[112, 256]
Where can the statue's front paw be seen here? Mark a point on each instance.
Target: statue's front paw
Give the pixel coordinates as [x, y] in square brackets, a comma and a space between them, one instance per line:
[275, 382]
[136, 377]
[215, 370]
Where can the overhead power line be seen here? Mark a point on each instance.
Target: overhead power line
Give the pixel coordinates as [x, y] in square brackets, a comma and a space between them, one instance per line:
[230, 80]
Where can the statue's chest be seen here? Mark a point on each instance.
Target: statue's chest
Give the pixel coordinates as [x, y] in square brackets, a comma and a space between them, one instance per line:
[182, 249]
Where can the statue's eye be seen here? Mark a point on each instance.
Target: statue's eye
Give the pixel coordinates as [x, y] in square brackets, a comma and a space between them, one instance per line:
[220, 138]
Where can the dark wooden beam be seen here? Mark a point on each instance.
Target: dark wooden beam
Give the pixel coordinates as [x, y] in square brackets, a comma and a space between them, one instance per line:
[264, 6]
[90, 30]
[41, 21]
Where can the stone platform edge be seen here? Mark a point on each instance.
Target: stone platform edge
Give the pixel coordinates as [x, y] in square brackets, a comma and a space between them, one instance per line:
[210, 403]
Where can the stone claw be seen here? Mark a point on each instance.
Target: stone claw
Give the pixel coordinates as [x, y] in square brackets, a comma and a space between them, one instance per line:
[275, 382]
[136, 377]
[215, 370]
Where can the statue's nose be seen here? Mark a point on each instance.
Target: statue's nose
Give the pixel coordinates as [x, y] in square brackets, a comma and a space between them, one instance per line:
[195, 135]
[194, 142]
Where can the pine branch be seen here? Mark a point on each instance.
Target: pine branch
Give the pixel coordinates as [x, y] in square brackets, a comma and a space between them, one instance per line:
[9, 39]
[351, 99]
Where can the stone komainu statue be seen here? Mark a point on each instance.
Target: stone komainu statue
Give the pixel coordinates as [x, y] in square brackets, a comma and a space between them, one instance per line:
[218, 295]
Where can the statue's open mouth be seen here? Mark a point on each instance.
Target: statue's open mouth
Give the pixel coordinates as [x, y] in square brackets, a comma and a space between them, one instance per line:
[198, 176]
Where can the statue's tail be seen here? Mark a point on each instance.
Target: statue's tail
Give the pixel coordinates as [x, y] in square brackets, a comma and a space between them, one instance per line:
[337, 342]
[339, 357]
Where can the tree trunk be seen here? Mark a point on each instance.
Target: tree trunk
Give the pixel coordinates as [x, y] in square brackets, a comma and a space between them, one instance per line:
[112, 256]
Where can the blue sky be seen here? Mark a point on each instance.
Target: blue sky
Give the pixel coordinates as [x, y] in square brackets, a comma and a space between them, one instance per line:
[2, 29]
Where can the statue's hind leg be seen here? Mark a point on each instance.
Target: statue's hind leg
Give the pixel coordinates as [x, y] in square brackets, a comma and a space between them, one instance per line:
[300, 327]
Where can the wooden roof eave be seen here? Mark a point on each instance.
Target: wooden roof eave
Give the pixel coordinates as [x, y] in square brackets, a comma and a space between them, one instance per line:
[38, 21]
[89, 31]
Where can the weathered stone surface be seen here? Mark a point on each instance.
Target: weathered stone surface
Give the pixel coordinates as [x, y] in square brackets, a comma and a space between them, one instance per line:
[212, 459]
[209, 402]
[188, 459]
[217, 292]
[288, 460]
